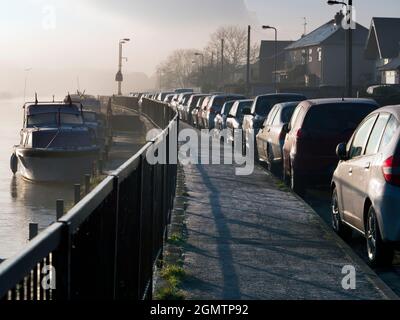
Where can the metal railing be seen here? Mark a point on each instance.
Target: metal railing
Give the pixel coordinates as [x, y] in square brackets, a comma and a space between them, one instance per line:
[106, 246]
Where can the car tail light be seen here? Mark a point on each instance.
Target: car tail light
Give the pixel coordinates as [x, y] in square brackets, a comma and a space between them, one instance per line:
[300, 134]
[282, 135]
[391, 170]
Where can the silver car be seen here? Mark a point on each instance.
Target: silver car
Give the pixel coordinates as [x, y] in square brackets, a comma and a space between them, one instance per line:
[366, 185]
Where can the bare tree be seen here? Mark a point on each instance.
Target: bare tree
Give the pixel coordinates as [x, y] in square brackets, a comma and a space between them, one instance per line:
[176, 71]
[235, 47]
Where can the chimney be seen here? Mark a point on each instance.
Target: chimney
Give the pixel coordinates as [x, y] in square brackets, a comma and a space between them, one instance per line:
[338, 18]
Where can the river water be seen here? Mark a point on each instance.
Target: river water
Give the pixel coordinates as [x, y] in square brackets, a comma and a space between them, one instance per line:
[21, 202]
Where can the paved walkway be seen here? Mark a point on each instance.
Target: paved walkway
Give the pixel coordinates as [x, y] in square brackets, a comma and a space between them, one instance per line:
[248, 239]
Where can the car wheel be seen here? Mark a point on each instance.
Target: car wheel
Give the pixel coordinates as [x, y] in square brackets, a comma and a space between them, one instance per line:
[379, 253]
[296, 184]
[338, 226]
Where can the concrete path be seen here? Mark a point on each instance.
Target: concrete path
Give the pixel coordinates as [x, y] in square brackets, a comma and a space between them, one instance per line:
[249, 239]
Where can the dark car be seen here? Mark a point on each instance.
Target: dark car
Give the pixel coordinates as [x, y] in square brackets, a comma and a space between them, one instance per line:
[260, 109]
[235, 118]
[271, 136]
[215, 105]
[315, 130]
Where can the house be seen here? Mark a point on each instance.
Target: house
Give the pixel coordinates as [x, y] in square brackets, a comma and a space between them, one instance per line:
[319, 58]
[383, 47]
[267, 60]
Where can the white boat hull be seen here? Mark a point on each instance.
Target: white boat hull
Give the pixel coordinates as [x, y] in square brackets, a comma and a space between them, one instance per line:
[55, 166]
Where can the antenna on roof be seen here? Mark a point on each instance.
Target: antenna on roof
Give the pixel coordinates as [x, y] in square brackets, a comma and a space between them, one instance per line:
[53, 97]
[36, 99]
[69, 99]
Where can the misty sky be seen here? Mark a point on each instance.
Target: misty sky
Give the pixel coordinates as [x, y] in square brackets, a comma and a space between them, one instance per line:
[68, 35]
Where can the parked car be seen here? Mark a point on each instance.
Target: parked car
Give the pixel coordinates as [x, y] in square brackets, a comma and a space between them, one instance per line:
[191, 105]
[215, 105]
[161, 96]
[235, 118]
[260, 109]
[366, 184]
[220, 118]
[196, 112]
[316, 128]
[184, 98]
[169, 98]
[271, 136]
[202, 112]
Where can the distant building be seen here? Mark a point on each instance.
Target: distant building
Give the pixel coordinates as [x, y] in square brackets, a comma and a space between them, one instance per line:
[267, 60]
[319, 58]
[383, 46]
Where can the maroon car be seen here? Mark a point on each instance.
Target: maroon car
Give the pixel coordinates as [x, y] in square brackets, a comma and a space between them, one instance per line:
[315, 130]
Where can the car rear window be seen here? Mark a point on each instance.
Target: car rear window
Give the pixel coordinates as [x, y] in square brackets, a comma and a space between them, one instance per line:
[390, 130]
[287, 113]
[265, 104]
[336, 118]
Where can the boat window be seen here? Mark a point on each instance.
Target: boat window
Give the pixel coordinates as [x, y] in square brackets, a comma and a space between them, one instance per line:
[69, 118]
[41, 119]
[91, 117]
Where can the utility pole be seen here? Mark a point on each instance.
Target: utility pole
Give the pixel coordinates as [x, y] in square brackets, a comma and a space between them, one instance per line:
[222, 62]
[248, 60]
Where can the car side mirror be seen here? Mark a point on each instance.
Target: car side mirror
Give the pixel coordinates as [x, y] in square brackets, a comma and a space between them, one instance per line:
[341, 152]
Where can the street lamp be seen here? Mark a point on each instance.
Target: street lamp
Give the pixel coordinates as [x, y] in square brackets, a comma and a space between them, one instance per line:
[349, 46]
[276, 54]
[119, 77]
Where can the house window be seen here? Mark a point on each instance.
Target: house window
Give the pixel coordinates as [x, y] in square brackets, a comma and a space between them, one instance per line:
[303, 57]
[319, 51]
[310, 53]
[390, 77]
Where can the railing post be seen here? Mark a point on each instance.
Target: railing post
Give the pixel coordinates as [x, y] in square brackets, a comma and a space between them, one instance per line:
[33, 230]
[60, 208]
[87, 183]
[77, 193]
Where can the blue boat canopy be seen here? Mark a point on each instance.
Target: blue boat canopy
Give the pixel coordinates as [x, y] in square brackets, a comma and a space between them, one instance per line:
[50, 108]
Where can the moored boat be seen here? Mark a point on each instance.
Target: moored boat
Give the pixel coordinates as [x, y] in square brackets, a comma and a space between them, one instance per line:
[55, 145]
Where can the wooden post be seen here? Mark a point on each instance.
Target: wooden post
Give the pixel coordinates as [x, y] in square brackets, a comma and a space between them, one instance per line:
[60, 208]
[77, 193]
[100, 166]
[87, 183]
[33, 230]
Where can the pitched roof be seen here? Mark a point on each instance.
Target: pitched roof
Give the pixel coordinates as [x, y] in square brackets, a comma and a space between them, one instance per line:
[329, 31]
[315, 37]
[384, 38]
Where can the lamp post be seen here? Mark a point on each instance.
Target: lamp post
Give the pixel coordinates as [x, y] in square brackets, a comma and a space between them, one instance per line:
[349, 45]
[119, 77]
[276, 54]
